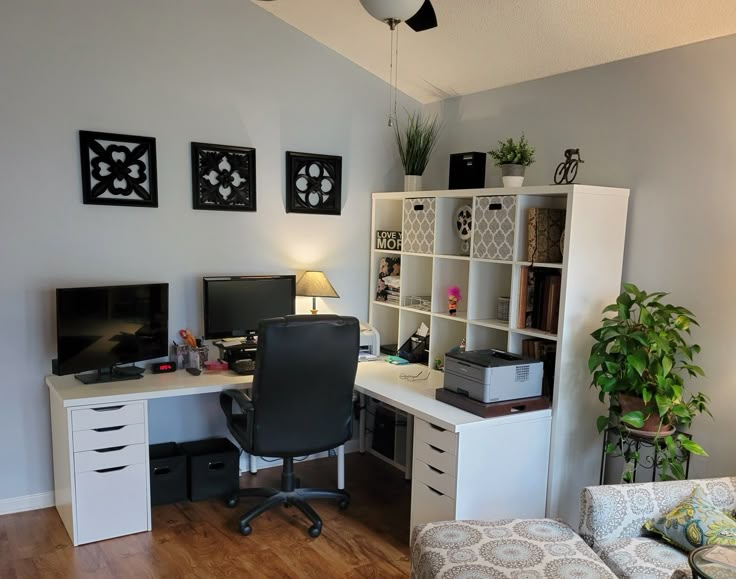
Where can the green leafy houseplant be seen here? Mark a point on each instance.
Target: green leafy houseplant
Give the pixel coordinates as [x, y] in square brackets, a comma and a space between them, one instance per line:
[509, 152]
[416, 142]
[643, 352]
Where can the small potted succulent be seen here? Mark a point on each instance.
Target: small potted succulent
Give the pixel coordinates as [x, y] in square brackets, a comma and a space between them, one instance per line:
[513, 158]
[415, 144]
[640, 360]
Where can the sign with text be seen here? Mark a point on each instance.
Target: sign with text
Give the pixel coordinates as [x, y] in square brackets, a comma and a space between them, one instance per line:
[390, 240]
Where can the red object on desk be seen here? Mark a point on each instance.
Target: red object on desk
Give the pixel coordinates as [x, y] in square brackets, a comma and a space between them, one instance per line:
[215, 366]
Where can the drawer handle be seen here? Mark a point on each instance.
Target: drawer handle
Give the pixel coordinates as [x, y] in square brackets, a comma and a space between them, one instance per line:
[436, 449]
[435, 491]
[435, 427]
[108, 428]
[108, 408]
[219, 465]
[438, 471]
[111, 449]
[114, 468]
[419, 207]
[494, 206]
[161, 470]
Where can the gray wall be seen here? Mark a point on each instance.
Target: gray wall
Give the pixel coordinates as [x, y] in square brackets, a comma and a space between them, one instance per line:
[220, 71]
[663, 125]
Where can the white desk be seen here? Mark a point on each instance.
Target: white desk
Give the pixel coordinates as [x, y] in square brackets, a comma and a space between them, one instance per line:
[463, 466]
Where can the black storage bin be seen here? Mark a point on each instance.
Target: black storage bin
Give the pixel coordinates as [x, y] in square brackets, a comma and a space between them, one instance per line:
[213, 468]
[384, 431]
[168, 473]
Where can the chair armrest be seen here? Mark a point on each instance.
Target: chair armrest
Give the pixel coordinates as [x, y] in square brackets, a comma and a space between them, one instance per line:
[619, 511]
[240, 425]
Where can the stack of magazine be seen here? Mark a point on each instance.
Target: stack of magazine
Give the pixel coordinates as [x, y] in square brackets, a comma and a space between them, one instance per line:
[388, 286]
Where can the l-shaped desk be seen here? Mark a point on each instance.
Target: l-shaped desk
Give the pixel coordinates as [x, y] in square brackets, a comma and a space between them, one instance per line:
[462, 466]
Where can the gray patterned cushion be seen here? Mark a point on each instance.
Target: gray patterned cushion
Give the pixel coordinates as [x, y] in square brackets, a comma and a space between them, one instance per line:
[619, 511]
[509, 548]
[643, 558]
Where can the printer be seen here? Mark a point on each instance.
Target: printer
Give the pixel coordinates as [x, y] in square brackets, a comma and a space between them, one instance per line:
[370, 342]
[492, 375]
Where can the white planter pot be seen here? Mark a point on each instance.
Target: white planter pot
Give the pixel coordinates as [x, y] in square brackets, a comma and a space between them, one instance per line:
[512, 175]
[412, 182]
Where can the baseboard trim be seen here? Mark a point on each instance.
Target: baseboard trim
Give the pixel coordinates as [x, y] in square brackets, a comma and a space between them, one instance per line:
[27, 503]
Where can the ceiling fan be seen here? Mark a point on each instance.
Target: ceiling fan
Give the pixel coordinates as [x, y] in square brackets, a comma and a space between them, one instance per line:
[419, 15]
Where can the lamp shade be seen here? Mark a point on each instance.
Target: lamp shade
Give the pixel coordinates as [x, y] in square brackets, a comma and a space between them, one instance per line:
[314, 284]
[386, 10]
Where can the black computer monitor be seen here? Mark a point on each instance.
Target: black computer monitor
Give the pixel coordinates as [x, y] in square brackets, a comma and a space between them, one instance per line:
[234, 305]
[101, 327]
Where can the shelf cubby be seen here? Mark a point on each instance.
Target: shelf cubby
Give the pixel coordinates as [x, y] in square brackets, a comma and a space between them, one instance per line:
[447, 334]
[387, 216]
[385, 319]
[523, 204]
[416, 276]
[488, 282]
[448, 273]
[484, 338]
[446, 238]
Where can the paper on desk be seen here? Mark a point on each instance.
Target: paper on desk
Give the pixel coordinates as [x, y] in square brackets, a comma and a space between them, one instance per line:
[721, 555]
[422, 330]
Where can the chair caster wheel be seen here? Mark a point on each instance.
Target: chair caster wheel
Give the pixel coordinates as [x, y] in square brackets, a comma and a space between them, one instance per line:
[245, 529]
[314, 531]
[232, 502]
[343, 504]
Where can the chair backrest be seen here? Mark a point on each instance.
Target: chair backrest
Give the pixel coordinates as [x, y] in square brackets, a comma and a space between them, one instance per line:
[303, 384]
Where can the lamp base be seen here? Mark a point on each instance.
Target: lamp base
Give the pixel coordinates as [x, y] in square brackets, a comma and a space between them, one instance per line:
[314, 312]
[314, 306]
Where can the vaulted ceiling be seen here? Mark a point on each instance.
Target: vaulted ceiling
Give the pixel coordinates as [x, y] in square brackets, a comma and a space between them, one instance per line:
[484, 44]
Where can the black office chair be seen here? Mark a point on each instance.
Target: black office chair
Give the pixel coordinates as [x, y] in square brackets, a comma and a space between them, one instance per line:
[301, 403]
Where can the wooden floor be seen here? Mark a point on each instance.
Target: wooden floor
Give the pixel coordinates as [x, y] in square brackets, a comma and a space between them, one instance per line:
[369, 539]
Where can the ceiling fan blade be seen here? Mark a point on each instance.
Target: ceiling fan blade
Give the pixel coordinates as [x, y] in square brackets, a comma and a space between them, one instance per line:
[424, 19]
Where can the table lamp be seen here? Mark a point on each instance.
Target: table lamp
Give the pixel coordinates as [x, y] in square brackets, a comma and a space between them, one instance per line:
[314, 284]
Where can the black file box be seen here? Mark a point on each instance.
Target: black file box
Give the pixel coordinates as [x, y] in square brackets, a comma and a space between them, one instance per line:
[416, 350]
[168, 466]
[213, 468]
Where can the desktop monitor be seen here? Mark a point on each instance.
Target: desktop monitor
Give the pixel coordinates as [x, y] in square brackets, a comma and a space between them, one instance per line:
[101, 327]
[234, 305]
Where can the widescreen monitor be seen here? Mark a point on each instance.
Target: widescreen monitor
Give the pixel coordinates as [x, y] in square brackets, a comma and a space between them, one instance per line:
[234, 305]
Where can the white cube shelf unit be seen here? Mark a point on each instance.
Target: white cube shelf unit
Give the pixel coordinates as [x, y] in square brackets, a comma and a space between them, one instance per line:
[590, 279]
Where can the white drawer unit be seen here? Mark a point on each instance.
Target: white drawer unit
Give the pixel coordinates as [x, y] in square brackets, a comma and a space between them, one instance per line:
[112, 502]
[429, 504]
[434, 478]
[101, 478]
[436, 457]
[109, 436]
[105, 416]
[109, 457]
[435, 436]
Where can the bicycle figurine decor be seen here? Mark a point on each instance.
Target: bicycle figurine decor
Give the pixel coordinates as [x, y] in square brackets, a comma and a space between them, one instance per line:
[568, 169]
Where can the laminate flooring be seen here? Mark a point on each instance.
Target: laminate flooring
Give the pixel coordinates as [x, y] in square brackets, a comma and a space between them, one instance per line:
[368, 540]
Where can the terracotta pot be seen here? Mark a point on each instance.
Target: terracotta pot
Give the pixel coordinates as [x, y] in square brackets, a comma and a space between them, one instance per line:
[651, 424]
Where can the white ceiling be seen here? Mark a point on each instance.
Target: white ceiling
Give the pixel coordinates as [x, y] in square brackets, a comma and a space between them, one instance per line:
[484, 44]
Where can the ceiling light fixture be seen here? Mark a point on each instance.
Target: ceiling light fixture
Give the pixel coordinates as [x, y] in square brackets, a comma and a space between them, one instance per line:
[418, 14]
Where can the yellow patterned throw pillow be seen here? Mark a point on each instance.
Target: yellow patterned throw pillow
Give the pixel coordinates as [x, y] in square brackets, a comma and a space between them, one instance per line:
[695, 522]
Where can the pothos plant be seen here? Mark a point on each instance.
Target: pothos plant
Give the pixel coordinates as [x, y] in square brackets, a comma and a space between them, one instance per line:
[643, 351]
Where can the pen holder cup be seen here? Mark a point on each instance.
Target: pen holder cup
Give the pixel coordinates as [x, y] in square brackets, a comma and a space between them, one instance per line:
[197, 357]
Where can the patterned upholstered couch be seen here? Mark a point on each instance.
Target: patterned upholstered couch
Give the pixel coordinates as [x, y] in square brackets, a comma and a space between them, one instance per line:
[612, 516]
[610, 532]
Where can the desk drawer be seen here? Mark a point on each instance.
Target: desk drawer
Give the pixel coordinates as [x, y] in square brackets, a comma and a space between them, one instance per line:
[109, 458]
[429, 505]
[436, 436]
[109, 437]
[110, 415]
[436, 457]
[111, 503]
[433, 477]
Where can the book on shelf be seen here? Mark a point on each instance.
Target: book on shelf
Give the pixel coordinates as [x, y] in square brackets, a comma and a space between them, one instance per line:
[539, 299]
[388, 285]
[545, 233]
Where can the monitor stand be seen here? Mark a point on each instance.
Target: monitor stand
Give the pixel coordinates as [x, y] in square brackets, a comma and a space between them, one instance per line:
[104, 375]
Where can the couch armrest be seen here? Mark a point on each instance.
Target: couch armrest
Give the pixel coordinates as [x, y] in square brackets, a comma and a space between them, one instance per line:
[617, 511]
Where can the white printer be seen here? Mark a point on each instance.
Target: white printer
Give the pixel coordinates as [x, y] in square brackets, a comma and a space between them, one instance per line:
[370, 343]
[492, 375]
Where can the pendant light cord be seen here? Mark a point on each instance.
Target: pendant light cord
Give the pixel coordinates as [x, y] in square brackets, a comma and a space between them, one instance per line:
[393, 76]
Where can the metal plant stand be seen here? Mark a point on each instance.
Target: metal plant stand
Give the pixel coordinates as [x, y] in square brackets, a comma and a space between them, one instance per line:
[648, 462]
